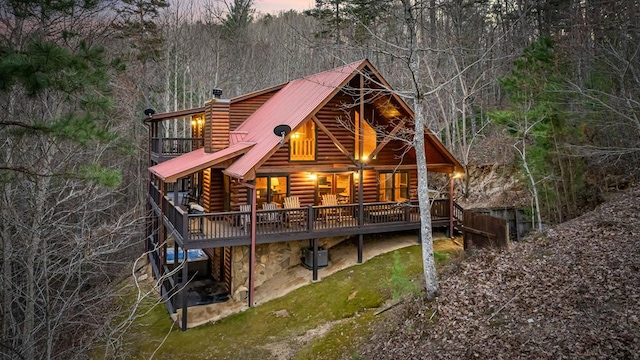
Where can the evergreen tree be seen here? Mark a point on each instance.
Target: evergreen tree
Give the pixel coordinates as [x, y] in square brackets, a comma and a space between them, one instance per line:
[537, 117]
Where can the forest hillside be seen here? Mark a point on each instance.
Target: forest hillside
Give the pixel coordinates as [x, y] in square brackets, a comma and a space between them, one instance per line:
[569, 292]
[547, 88]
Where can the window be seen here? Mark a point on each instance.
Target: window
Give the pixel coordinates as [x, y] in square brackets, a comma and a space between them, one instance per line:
[271, 189]
[302, 143]
[365, 139]
[338, 184]
[393, 186]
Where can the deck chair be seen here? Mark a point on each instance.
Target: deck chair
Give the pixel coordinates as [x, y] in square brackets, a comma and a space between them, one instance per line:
[272, 216]
[245, 219]
[332, 213]
[294, 215]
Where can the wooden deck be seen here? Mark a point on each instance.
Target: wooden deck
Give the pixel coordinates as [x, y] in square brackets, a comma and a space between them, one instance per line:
[233, 228]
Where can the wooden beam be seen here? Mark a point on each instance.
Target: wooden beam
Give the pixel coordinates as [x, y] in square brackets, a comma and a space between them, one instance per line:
[174, 114]
[360, 246]
[315, 259]
[360, 140]
[309, 168]
[451, 206]
[337, 143]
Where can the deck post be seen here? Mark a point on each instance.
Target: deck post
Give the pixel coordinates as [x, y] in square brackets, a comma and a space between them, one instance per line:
[175, 273]
[360, 246]
[451, 206]
[360, 196]
[315, 259]
[185, 281]
[252, 253]
[161, 237]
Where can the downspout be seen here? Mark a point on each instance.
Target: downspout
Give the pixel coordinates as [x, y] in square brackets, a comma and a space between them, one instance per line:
[252, 252]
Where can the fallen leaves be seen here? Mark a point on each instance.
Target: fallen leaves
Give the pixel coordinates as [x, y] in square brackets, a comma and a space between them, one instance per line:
[570, 292]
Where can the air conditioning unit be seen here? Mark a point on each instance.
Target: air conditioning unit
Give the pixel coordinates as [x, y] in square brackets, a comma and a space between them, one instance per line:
[307, 255]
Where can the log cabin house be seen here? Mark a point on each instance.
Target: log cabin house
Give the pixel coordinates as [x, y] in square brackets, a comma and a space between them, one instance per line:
[262, 177]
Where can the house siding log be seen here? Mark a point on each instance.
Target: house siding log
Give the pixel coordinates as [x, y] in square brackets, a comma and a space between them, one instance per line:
[206, 190]
[217, 125]
[241, 110]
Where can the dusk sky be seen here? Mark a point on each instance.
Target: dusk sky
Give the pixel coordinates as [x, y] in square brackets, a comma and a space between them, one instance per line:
[275, 6]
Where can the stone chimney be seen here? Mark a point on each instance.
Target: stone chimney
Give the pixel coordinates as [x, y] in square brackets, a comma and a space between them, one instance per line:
[216, 123]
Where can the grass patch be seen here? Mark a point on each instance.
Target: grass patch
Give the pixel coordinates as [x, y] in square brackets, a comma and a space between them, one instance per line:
[344, 298]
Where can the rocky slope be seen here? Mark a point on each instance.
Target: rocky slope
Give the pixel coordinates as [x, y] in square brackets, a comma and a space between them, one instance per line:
[570, 292]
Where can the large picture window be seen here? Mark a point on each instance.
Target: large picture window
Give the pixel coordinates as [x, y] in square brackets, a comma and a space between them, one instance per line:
[393, 186]
[365, 139]
[302, 143]
[271, 189]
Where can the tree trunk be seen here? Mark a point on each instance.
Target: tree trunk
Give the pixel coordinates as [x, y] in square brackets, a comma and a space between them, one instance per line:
[429, 265]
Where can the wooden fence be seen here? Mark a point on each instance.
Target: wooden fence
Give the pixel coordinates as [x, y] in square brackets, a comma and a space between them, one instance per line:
[483, 230]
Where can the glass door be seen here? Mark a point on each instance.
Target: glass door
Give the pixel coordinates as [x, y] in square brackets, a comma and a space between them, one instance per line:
[338, 184]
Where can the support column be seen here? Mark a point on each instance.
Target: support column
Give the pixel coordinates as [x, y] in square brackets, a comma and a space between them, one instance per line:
[451, 206]
[252, 252]
[315, 259]
[185, 281]
[360, 246]
[161, 237]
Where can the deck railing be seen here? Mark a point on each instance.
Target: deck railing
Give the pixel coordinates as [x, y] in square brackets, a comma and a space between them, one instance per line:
[304, 222]
[175, 146]
[302, 149]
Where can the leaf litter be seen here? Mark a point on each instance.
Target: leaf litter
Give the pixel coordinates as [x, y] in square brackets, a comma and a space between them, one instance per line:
[572, 291]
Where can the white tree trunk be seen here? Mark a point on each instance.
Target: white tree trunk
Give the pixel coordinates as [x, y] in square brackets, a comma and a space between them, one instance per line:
[429, 265]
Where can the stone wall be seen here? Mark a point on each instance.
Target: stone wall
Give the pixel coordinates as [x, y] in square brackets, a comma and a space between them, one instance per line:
[271, 259]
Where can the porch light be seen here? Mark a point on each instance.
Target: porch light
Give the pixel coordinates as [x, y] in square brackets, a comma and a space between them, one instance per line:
[458, 175]
[193, 122]
[356, 175]
[313, 177]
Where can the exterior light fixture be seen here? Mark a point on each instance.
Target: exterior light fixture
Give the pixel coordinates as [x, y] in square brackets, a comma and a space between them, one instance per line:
[313, 177]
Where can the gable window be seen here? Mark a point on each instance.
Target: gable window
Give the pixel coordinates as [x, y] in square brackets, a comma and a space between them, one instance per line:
[271, 189]
[365, 139]
[302, 143]
[393, 186]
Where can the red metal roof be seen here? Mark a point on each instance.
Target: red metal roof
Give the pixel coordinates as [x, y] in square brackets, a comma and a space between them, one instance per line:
[189, 163]
[292, 105]
[254, 140]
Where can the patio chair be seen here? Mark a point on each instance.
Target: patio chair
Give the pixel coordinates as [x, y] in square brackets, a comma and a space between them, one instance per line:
[245, 219]
[272, 216]
[331, 213]
[293, 216]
